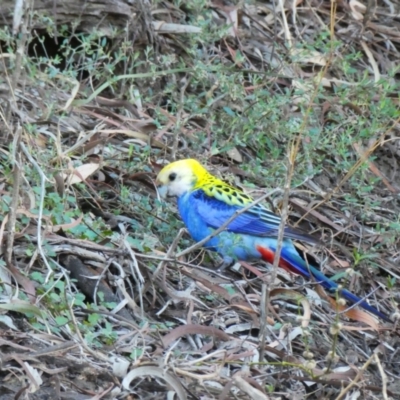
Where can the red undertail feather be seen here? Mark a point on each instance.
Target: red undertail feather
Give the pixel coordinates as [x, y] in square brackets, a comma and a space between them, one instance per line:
[269, 255]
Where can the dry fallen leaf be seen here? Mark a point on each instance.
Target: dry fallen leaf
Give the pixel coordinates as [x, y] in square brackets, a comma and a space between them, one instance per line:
[309, 57]
[357, 9]
[81, 173]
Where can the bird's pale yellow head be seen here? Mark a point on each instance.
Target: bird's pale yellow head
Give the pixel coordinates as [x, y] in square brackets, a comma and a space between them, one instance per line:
[180, 177]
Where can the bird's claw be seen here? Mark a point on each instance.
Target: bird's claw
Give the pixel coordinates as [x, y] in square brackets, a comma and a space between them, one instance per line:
[226, 263]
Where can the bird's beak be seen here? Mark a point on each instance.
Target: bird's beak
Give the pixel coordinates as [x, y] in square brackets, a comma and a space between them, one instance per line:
[162, 191]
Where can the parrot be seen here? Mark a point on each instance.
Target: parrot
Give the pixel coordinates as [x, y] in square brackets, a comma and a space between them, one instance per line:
[206, 202]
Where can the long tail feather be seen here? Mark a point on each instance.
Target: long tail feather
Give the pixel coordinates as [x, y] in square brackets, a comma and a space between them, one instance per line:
[352, 298]
[292, 262]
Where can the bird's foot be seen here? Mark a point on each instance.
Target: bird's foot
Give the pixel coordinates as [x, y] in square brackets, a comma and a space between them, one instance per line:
[226, 263]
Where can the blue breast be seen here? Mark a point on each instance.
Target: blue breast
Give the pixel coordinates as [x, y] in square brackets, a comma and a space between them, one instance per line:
[228, 244]
[197, 228]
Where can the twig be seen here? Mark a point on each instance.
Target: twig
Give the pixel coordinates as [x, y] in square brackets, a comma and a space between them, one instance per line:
[135, 271]
[383, 375]
[179, 118]
[226, 223]
[292, 158]
[43, 179]
[356, 378]
[263, 321]
[284, 214]
[20, 28]
[174, 294]
[281, 231]
[286, 29]
[102, 275]
[79, 143]
[96, 256]
[169, 253]
[21, 20]
[12, 216]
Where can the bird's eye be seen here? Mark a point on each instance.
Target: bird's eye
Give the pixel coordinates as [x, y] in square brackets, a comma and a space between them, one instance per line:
[172, 176]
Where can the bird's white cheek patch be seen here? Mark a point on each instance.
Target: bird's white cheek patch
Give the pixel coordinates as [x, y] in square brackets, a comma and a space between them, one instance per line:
[162, 191]
[179, 188]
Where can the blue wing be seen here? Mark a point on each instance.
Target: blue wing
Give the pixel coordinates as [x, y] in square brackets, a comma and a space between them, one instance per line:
[256, 221]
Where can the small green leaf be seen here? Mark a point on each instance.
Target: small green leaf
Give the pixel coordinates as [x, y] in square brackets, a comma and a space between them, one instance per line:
[61, 320]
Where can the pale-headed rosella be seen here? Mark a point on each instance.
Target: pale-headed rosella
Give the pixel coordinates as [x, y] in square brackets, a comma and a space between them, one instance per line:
[205, 203]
